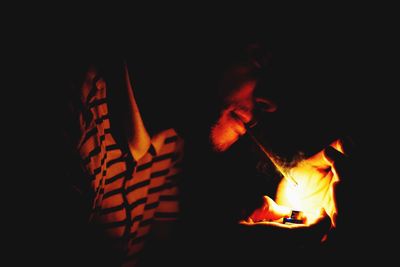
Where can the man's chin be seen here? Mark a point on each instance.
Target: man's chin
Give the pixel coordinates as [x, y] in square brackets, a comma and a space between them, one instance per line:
[222, 138]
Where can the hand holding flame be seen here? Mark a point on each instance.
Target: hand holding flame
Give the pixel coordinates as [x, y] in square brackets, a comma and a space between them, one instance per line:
[269, 211]
[319, 178]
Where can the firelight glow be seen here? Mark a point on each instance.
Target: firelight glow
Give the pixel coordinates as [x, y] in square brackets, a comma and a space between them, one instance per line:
[314, 191]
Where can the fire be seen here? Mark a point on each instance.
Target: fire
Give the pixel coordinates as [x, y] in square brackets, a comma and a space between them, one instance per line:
[314, 189]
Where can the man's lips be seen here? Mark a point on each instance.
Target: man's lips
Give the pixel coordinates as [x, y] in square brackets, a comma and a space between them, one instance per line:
[241, 115]
[239, 124]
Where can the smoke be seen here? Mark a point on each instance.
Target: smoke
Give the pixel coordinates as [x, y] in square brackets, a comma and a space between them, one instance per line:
[273, 163]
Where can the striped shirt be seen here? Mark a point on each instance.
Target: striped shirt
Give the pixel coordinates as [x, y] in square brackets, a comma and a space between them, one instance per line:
[128, 194]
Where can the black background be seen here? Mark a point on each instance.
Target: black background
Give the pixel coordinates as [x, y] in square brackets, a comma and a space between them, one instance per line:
[339, 64]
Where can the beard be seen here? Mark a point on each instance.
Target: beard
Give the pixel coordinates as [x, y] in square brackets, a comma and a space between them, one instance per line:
[222, 138]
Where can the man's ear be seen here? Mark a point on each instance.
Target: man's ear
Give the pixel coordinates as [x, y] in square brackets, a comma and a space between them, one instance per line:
[265, 104]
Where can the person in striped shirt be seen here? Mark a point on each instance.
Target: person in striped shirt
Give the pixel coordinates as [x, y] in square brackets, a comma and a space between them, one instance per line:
[131, 176]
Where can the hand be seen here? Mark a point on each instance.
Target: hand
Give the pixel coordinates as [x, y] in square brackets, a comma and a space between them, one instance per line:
[270, 211]
[294, 234]
[340, 157]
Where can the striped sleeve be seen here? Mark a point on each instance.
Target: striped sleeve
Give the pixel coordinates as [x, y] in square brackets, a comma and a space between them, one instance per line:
[102, 158]
[168, 208]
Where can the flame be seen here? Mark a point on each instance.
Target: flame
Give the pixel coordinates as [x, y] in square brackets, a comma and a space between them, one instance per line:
[314, 189]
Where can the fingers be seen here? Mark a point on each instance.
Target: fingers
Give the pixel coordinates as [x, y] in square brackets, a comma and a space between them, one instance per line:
[270, 211]
[339, 162]
[332, 155]
[345, 144]
[323, 223]
[322, 214]
[348, 145]
[276, 211]
[322, 226]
